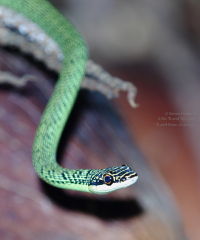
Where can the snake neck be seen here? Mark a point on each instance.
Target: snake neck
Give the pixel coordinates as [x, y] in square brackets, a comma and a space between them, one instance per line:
[75, 179]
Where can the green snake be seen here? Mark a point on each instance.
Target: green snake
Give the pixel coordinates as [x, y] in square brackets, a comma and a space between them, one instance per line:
[99, 181]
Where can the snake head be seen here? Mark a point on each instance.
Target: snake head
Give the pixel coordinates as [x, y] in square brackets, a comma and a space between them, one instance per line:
[110, 179]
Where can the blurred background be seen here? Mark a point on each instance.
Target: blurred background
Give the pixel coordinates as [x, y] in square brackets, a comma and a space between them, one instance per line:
[156, 46]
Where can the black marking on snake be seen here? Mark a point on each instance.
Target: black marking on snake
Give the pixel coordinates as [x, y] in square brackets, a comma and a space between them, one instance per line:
[64, 177]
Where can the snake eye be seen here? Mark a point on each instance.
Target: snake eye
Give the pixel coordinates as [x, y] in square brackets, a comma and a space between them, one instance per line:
[108, 180]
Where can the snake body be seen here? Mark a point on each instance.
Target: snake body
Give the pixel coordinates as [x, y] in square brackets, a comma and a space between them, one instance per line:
[58, 109]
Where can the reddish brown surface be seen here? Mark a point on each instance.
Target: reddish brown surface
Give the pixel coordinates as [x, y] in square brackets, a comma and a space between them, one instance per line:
[167, 148]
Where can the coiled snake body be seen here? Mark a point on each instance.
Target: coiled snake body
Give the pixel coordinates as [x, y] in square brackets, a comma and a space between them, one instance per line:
[58, 109]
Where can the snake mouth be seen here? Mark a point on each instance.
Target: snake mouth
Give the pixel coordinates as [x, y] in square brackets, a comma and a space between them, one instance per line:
[130, 180]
